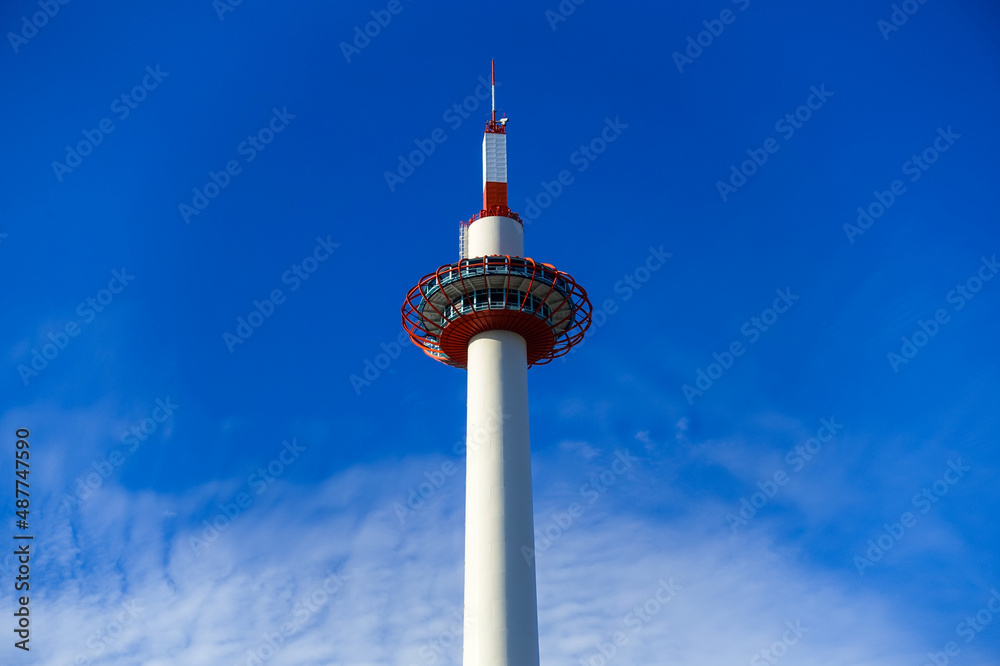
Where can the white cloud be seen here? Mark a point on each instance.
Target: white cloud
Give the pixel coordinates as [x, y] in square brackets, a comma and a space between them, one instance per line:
[119, 583]
[403, 583]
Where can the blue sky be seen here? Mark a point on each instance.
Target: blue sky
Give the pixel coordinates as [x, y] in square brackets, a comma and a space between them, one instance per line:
[841, 364]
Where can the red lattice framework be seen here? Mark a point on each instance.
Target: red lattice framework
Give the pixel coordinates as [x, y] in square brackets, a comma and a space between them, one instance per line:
[450, 306]
[499, 211]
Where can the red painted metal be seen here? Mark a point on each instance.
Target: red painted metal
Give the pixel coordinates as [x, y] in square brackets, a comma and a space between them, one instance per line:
[500, 211]
[448, 340]
[494, 195]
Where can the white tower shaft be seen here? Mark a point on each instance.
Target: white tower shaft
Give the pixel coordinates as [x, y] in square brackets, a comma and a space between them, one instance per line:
[501, 617]
[494, 312]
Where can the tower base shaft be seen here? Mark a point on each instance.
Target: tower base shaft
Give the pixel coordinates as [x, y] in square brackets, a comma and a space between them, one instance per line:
[501, 617]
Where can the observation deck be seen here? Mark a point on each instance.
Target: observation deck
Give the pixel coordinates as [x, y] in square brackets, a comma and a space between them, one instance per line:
[450, 306]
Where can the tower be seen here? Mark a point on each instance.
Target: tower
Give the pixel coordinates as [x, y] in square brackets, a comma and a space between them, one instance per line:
[496, 313]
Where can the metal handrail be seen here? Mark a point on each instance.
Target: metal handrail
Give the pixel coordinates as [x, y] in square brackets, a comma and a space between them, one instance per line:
[485, 268]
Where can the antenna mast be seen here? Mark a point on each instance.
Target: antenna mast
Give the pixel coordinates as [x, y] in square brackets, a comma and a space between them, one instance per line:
[496, 312]
[492, 126]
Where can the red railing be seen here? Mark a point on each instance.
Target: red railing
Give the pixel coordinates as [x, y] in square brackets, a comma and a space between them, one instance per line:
[500, 211]
[449, 341]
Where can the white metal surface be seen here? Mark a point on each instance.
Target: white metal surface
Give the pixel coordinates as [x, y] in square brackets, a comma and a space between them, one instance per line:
[501, 618]
[496, 235]
[494, 158]
[463, 240]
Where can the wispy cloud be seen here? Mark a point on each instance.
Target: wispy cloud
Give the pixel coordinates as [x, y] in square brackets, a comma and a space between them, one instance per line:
[325, 574]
